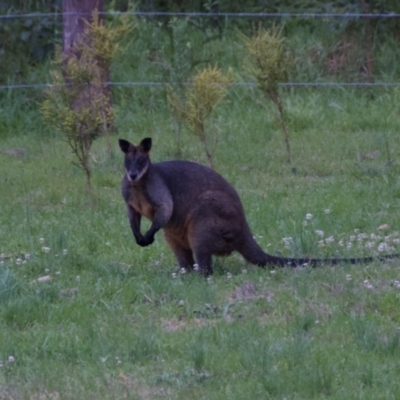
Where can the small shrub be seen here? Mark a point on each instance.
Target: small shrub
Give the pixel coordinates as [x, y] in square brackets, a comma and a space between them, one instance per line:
[78, 103]
[269, 65]
[208, 89]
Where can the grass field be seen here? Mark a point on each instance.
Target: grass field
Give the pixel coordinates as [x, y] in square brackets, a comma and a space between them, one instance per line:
[115, 321]
[87, 314]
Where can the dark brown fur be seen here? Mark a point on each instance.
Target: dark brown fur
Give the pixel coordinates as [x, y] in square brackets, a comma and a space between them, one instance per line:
[200, 212]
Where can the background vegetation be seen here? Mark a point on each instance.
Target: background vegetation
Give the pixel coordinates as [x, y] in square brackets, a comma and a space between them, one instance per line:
[85, 313]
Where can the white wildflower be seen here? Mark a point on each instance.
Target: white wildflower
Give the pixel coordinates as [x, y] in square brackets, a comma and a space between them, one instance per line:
[65, 252]
[229, 275]
[367, 284]
[41, 240]
[348, 277]
[329, 240]
[361, 236]
[174, 275]
[182, 271]
[46, 249]
[11, 359]
[327, 211]
[196, 267]
[309, 217]
[319, 233]
[321, 243]
[340, 243]
[18, 261]
[27, 256]
[369, 245]
[396, 284]
[384, 247]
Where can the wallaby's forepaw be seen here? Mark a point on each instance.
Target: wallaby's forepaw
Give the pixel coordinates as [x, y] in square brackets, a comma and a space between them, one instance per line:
[145, 240]
[141, 241]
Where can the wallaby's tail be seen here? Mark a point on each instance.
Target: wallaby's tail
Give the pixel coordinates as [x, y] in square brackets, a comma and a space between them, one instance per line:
[276, 261]
[252, 252]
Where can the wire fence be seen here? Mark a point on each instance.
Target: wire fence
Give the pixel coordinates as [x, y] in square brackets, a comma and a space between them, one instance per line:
[261, 15]
[157, 14]
[238, 84]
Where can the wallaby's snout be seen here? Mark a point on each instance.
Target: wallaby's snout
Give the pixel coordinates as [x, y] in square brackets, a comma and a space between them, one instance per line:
[132, 176]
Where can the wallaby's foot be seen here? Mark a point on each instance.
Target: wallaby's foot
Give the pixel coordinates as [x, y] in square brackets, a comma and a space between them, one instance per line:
[204, 262]
[185, 259]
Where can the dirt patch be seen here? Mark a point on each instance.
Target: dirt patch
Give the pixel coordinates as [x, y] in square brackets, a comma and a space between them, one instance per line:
[17, 152]
[248, 291]
[178, 324]
[142, 391]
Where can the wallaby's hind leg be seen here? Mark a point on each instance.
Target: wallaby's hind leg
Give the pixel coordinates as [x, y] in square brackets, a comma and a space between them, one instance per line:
[184, 257]
[183, 254]
[204, 261]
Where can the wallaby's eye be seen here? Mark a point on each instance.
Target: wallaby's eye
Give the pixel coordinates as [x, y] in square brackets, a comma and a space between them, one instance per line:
[128, 163]
[141, 162]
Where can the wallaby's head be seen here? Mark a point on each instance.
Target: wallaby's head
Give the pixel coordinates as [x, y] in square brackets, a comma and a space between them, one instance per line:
[137, 159]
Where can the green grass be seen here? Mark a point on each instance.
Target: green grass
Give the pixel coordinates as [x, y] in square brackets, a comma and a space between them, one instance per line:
[115, 321]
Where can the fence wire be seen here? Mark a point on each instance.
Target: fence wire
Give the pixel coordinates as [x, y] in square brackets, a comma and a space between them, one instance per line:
[157, 14]
[237, 84]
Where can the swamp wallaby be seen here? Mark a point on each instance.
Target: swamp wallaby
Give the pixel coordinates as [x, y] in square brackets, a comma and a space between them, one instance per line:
[200, 212]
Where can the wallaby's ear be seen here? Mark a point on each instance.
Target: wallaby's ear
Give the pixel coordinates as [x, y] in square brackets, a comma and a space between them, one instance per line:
[145, 144]
[124, 145]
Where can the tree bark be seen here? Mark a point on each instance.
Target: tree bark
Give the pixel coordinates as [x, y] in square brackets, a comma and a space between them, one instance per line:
[76, 15]
[75, 12]
[368, 40]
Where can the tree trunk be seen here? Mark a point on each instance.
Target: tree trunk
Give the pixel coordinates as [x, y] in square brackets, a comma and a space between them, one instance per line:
[76, 15]
[75, 12]
[368, 40]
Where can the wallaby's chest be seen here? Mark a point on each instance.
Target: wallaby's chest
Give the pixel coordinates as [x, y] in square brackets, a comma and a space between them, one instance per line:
[140, 202]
